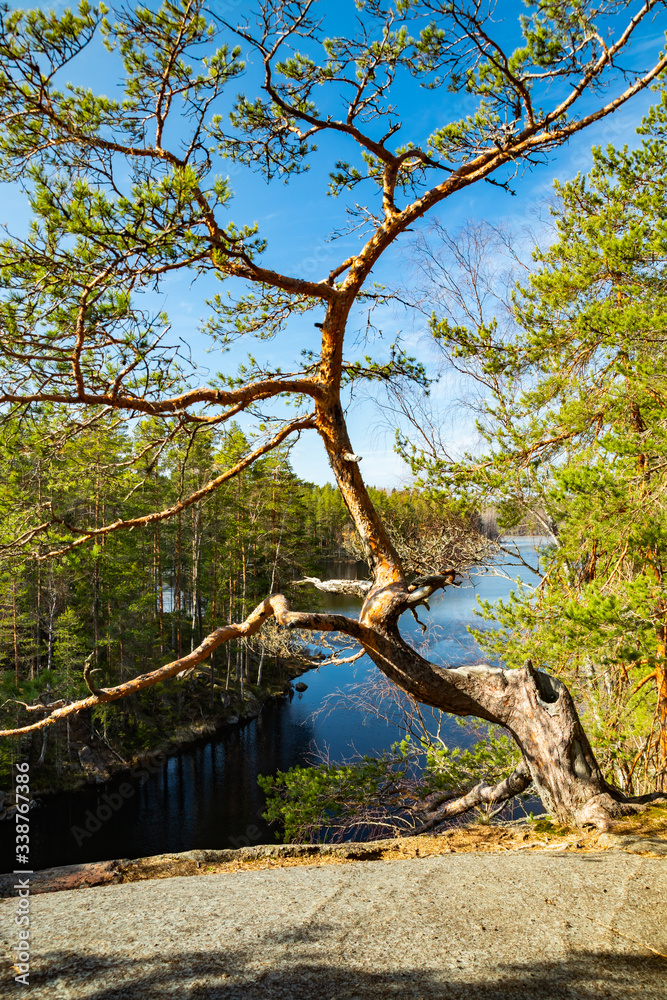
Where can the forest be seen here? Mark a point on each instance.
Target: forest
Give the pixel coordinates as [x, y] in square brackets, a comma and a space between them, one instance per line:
[137, 599]
[158, 552]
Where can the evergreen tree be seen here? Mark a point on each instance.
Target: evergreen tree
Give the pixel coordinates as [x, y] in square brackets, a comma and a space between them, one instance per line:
[123, 195]
[584, 447]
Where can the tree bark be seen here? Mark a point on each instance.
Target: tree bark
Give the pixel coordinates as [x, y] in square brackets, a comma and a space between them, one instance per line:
[535, 708]
[481, 794]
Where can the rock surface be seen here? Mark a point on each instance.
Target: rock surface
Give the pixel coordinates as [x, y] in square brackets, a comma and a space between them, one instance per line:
[541, 926]
[477, 837]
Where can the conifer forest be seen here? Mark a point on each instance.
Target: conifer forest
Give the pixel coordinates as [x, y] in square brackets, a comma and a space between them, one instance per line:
[162, 565]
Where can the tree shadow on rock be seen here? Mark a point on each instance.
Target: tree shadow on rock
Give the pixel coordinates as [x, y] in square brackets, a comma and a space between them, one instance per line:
[233, 974]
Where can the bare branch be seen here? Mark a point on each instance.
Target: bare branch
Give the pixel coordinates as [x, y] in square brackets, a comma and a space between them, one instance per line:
[481, 794]
[359, 588]
[275, 605]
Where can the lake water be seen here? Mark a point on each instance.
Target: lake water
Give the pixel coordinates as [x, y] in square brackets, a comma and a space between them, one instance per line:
[207, 796]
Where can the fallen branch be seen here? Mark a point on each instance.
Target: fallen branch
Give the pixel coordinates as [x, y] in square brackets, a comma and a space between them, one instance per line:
[482, 794]
[275, 605]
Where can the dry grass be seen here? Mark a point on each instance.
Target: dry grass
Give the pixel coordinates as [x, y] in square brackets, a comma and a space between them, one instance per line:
[539, 836]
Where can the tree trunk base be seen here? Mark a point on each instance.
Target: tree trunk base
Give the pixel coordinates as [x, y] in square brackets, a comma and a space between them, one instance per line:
[601, 811]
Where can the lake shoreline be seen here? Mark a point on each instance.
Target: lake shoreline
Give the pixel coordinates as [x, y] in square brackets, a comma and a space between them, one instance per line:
[104, 763]
[204, 791]
[644, 834]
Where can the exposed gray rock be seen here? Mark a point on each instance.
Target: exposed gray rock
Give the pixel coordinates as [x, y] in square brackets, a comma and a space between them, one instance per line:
[633, 844]
[456, 927]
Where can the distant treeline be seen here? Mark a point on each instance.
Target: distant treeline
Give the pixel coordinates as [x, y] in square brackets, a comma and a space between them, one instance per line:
[137, 598]
[529, 525]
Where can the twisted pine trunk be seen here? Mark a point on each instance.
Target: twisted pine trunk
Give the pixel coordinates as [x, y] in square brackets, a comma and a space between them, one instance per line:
[536, 709]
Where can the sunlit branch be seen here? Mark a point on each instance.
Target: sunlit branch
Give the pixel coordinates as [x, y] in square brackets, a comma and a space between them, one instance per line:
[276, 605]
[253, 392]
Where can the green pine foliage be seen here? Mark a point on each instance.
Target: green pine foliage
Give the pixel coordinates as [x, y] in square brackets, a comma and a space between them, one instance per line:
[137, 599]
[575, 428]
[388, 795]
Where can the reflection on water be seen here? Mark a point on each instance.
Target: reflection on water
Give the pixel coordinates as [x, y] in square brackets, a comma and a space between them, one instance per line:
[207, 796]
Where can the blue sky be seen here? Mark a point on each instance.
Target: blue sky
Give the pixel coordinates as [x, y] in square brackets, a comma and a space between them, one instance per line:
[298, 219]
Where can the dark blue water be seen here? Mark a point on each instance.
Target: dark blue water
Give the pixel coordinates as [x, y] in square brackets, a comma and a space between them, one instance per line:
[207, 796]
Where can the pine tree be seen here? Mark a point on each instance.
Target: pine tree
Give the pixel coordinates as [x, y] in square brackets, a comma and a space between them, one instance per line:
[124, 195]
[584, 447]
